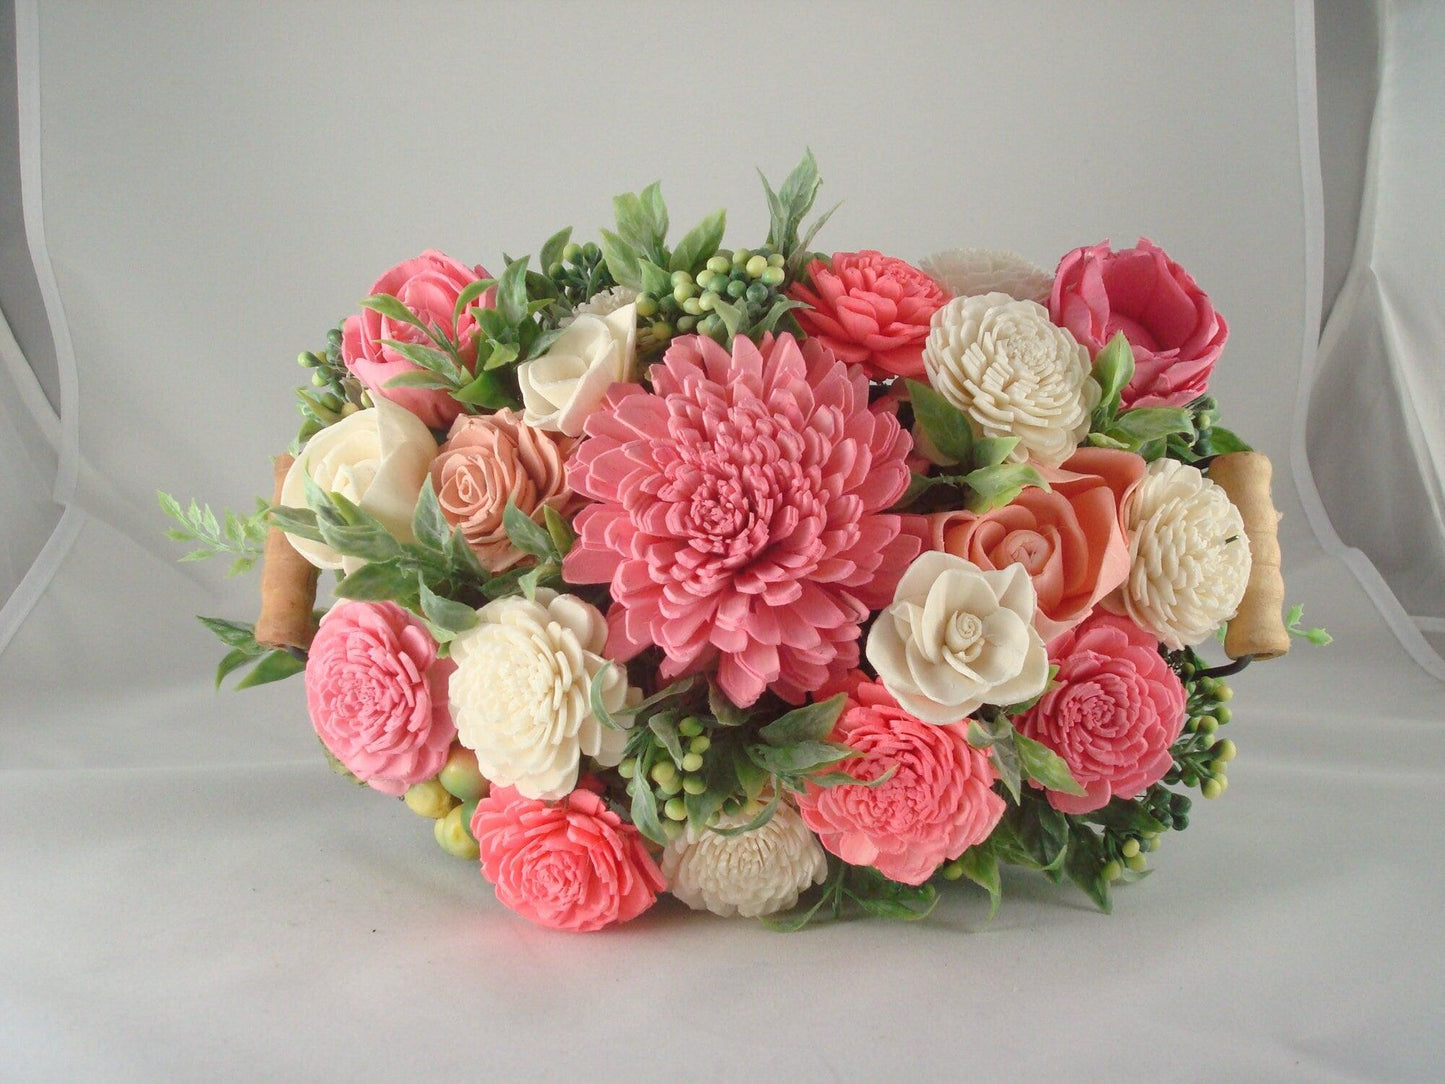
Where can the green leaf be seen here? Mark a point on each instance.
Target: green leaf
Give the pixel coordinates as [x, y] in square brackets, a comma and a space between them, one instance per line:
[781, 307]
[454, 617]
[298, 521]
[234, 659]
[594, 698]
[233, 633]
[1218, 440]
[800, 188]
[418, 378]
[980, 865]
[654, 212]
[729, 314]
[1101, 440]
[622, 261]
[273, 666]
[512, 292]
[1113, 369]
[428, 525]
[764, 815]
[551, 251]
[525, 534]
[1044, 766]
[1006, 760]
[724, 710]
[365, 542]
[484, 391]
[811, 722]
[947, 427]
[843, 779]
[469, 294]
[664, 727]
[751, 778]
[644, 811]
[722, 783]
[985, 732]
[170, 506]
[699, 243]
[1144, 424]
[531, 579]
[1084, 864]
[1123, 815]
[563, 536]
[991, 451]
[655, 280]
[798, 758]
[795, 261]
[392, 309]
[377, 581]
[1025, 705]
[642, 220]
[499, 355]
[994, 487]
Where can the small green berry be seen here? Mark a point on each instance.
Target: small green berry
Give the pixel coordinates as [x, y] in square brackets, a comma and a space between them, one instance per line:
[628, 768]
[1112, 870]
[453, 834]
[1138, 863]
[756, 266]
[692, 306]
[707, 301]
[1212, 788]
[661, 330]
[1225, 751]
[680, 277]
[461, 776]
[663, 771]
[646, 305]
[711, 324]
[1206, 724]
[682, 291]
[701, 744]
[719, 264]
[952, 871]
[429, 799]
[1130, 848]
[737, 287]
[1223, 714]
[741, 257]
[676, 809]
[773, 276]
[756, 293]
[690, 727]
[307, 360]
[671, 787]
[732, 805]
[671, 829]
[693, 784]
[686, 323]
[590, 251]
[776, 260]
[691, 762]
[1152, 845]
[570, 251]
[1223, 692]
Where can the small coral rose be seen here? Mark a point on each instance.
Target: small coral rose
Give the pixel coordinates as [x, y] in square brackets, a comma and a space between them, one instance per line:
[571, 865]
[1112, 713]
[871, 310]
[377, 694]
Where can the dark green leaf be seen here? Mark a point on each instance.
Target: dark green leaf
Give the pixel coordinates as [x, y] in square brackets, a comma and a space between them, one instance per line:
[724, 710]
[499, 355]
[664, 727]
[561, 531]
[947, 427]
[365, 542]
[418, 378]
[273, 666]
[644, 811]
[429, 358]
[234, 659]
[453, 617]
[1006, 760]
[428, 525]
[469, 294]
[1218, 440]
[377, 582]
[781, 307]
[750, 776]
[484, 391]
[1084, 863]
[764, 815]
[798, 758]
[800, 188]
[980, 865]
[233, 633]
[1041, 764]
[729, 314]
[298, 521]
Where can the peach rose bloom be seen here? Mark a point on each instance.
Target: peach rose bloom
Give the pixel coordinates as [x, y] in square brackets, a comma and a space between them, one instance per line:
[1069, 539]
[490, 459]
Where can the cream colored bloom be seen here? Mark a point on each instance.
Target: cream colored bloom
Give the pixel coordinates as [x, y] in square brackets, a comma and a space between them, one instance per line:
[569, 381]
[603, 303]
[520, 695]
[967, 272]
[757, 873]
[1189, 557]
[1013, 373]
[376, 458]
[957, 637]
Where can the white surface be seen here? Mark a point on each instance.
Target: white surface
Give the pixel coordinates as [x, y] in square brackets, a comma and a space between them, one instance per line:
[189, 894]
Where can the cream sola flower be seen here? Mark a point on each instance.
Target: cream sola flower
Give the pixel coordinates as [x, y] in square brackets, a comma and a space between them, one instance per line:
[1189, 556]
[520, 695]
[967, 272]
[752, 874]
[1013, 373]
[605, 303]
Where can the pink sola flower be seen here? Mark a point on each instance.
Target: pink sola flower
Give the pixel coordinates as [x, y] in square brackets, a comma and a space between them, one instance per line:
[741, 513]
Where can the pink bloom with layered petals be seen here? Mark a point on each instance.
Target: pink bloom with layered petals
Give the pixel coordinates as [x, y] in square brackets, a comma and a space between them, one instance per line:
[429, 286]
[1169, 321]
[871, 310]
[936, 805]
[741, 513]
[570, 865]
[1112, 715]
[377, 694]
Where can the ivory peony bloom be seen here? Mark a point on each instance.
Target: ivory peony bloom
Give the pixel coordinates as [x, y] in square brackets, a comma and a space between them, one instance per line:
[957, 638]
[1188, 553]
[757, 873]
[488, 460]
[740, 517]
[1013, 373]
[573, 865]
[938, 802]
[967, 272]
[1069, 538]
[520, 696]
[1112, 715]
[569, 381]
[377, 459]
[377, 694]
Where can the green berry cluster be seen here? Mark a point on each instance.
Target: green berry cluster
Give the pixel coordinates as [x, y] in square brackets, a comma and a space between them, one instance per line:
[669, 777]
[334, 393]
[449, 801]
[750, 280]
[580, 274]
[1201, 757]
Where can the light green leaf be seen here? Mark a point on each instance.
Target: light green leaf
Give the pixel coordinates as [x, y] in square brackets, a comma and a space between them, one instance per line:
[994, 487]
[1113, 369]
[392, 309]
[444, 613]
[428, 525]
[947, 427]
[594, 697]
[525, 534]
[843, 779]
[469, 294]
[484, 391]
[699, 243]
[233, 633]
[622, 260]
[729, 314]
[499, 355]
[811, 722]
[512, 292]
[273, 667]
[798, 758]
[551, 251]
[780, 308]
[991, 451]
[1143, 424]
[377, 581]
[563, 536]
[234, 659]
[655, 280]
[1044, 766]
[664, 727]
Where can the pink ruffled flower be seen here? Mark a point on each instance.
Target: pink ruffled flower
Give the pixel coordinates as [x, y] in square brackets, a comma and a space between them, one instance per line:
[428, 285]
[569, 865]
[871, 310]
[1069, 538]
[1169, 321]
[377, 694]
[741, 513]
[1116, 709]
[937, 804]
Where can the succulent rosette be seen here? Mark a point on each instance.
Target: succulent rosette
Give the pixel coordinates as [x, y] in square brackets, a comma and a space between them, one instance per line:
[791, 585]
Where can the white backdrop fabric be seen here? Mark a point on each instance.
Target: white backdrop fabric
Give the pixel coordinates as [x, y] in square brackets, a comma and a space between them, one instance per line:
[187, 893]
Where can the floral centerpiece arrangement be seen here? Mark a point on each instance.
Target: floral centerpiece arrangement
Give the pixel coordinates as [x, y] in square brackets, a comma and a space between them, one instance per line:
[792, 584]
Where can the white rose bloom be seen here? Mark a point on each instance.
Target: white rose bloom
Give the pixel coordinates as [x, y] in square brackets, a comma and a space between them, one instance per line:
[376, 458]
[757, 873]
[1013, 373]
[957, 637]
[604, 303]
[520, 695]
[569, 381]
[1189, 556]
[966, 272]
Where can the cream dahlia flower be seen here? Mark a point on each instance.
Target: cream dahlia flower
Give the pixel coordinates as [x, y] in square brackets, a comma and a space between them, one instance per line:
[967, 272]
[957, 637]
[757, 873]
[520, 695]
[1013, 373]
[1189, 556]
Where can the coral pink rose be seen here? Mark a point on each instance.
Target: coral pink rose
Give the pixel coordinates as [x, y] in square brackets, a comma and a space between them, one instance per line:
[1169, 321]
[1070, 539]
[377, 694]
[871, 310]
[742, 513]
[1114, 712]
[428, 285]
[488, 460]
[937, 804]
[570, 865]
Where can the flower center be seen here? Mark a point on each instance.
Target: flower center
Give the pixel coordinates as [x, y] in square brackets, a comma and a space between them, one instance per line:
[963, 637]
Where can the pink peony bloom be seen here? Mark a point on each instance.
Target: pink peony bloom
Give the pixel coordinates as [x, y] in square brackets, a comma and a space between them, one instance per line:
[570, 865]
[1070, 539]
[1169, 321]
[937, 804]
[1116, 709]
[741, 513]
[871, 310]
[377, 694]
[428, 285]
[488, 460]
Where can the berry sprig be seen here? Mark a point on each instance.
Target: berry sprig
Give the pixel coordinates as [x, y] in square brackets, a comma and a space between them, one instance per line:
[739, 292]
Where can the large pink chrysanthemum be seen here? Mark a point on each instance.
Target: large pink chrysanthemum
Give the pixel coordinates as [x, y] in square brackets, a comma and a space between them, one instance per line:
[740, 515]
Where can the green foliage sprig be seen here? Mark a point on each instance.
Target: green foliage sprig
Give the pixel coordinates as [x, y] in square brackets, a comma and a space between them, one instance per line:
[267, 665]
[857, 891]
[228, 535]
[788, 207]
